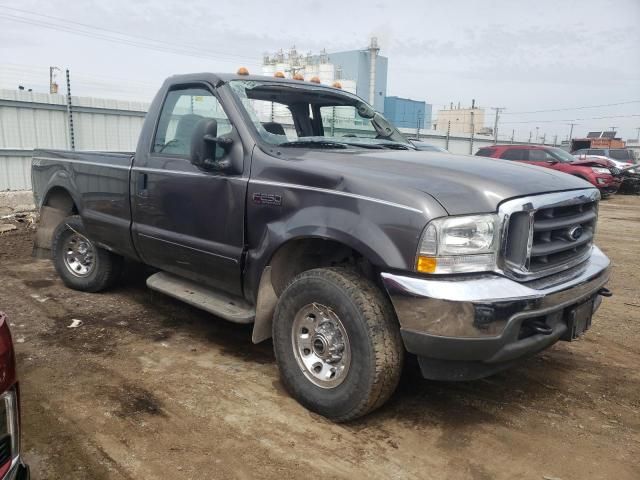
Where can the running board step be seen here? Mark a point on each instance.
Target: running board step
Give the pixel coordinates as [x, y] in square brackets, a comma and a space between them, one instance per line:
[219, 303]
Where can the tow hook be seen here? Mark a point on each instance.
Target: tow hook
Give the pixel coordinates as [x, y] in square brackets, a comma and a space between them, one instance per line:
[605, 292]
[541, 327]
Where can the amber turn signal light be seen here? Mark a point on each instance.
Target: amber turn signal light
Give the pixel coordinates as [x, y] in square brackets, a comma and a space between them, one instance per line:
[426, 264]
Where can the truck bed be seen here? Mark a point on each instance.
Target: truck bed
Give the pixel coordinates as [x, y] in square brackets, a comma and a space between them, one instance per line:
[100, 184]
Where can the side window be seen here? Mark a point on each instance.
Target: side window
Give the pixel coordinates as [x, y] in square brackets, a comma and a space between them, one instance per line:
[514, 154]
[182, 111]
[539, 156]
[484, 152]
[597, 152]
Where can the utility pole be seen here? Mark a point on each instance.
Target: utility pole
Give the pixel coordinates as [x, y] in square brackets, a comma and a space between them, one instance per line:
[513, 134]
[571, 131]
[473, 129]
[555, 139]
[544, 138]
[448, 133]
[72, 141]
[638, 135]
[53, 85]
[529, 136]
[419, 121]
[537, 130]
[495, 123]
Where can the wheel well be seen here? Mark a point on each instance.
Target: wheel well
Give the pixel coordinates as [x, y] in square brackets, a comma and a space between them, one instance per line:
[57, 205]
[60, 199]
[300, 255]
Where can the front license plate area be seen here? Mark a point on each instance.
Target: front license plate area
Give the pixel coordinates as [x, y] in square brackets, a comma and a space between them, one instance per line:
[578, 320]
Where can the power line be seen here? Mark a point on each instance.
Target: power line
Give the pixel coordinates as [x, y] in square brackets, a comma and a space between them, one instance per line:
[131, 41]
[576, 108]
[576, 119]
[116, 32]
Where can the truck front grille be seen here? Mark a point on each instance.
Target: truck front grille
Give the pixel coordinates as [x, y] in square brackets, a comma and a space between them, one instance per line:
[548, 233]
[561, 234]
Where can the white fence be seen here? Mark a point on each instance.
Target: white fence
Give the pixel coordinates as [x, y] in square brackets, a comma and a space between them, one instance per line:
[31, 120]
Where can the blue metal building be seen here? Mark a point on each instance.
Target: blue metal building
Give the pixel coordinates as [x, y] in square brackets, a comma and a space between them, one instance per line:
[355, 65]
[407, 113]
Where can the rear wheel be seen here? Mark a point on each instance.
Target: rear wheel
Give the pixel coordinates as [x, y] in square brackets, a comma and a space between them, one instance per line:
[337, 343]
[79, 262]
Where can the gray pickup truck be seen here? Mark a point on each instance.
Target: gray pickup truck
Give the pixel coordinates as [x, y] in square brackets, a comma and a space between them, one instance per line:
[298, 208]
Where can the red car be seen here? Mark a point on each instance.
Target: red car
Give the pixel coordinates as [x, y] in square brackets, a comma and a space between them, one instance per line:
[596, 172]
[11, 465]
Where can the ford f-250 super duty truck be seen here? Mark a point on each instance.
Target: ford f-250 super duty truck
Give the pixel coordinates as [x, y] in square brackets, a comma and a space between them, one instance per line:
[298, 208]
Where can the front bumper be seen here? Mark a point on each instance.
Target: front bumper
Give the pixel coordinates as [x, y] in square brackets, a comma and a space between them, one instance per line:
[607, 184]
[465, 327]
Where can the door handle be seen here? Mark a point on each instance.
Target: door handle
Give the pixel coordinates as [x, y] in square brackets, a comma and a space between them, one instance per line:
[142, 182]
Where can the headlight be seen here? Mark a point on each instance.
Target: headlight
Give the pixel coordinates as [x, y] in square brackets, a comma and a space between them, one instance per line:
[459, 245]
[600, 170]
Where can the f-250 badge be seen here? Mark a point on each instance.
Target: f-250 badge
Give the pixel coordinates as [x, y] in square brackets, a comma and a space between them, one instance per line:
[267, 199]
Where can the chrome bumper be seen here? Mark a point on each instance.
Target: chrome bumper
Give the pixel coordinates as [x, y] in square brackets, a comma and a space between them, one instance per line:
[478, 318]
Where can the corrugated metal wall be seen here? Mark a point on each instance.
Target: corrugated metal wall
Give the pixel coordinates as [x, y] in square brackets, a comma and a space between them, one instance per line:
[31, 120]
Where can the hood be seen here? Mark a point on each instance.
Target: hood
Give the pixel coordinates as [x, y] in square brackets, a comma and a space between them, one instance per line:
[462, 184]
[594, 162]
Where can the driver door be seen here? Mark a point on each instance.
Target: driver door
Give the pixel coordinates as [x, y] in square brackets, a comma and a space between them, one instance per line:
[188, 220]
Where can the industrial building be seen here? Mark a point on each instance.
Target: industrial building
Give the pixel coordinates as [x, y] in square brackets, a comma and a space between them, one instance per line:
[363, 72]
[460, 120]
[407, 113]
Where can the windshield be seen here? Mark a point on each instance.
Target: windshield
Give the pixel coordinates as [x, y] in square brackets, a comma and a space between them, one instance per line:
[309, 116]
[561, 155]
[624, 155]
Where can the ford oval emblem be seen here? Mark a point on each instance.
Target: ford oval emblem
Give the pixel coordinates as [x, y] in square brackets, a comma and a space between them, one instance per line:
[575, 233]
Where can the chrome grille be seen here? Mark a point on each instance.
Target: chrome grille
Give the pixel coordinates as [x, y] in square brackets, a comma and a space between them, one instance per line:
[545, 234]
[561, 234]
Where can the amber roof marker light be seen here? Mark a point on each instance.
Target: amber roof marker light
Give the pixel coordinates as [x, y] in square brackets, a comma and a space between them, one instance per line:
[243, 71]
[278, 75]
[337, 85]
[315, 79]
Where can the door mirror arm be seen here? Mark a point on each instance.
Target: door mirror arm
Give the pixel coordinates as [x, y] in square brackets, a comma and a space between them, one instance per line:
[222, 141]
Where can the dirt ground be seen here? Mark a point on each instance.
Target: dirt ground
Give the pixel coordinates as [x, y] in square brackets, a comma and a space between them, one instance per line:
[149, 388]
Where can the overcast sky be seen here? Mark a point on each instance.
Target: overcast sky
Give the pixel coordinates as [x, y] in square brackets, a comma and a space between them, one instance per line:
[523, 55]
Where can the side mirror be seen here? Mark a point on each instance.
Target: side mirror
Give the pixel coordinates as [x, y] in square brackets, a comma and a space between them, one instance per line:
[205, 144]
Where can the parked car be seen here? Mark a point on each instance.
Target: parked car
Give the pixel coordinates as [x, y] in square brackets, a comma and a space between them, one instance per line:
[630, 180]
[11, 464]
[595, 171]
[621, 157]
[347, 251]
[427, 147]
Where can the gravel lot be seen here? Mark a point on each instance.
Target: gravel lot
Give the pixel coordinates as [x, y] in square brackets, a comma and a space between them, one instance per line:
[149, 388]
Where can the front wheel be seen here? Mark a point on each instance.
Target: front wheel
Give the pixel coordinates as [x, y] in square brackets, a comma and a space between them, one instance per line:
[337, 343]
[79, 262]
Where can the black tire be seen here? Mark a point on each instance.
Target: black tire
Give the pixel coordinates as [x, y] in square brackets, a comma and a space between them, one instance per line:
[105, 266]
[377, 353]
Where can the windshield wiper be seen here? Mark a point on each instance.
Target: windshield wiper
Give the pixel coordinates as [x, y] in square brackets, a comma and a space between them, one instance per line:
[373, 146]
[396, 146]
[314, 143]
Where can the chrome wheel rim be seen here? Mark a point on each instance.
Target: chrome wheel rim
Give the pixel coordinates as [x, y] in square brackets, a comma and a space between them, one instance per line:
[78, 255]
[321, 345]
